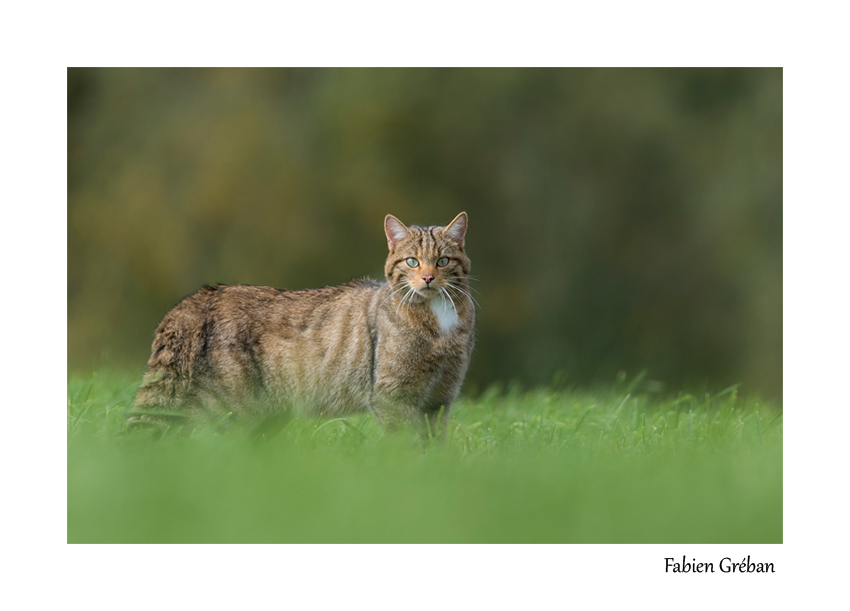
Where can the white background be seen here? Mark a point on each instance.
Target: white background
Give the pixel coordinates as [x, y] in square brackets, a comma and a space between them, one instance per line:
[40, 41]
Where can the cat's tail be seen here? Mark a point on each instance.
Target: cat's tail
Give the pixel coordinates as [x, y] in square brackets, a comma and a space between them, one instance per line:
[164, 397]
[159, 401]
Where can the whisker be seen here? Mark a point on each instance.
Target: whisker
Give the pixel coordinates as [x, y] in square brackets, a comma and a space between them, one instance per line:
[463, 292]
[457, 285]
[455, 289]
[459, 278]
[406, 301]
[459, 297]
[409, 301]
[446, 293]
[401, 288]
[470, 288]
[409, 289]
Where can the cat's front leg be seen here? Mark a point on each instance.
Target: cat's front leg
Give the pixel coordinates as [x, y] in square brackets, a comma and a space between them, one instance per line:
[430, 422]
[437, 422]
[394, 414]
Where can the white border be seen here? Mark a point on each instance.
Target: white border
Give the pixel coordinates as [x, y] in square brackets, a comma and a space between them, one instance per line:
[44, 40]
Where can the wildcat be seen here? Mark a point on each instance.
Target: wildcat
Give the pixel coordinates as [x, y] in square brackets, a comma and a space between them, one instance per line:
[399, 348]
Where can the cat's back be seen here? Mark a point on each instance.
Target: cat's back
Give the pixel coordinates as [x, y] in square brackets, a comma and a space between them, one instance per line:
[213, 308]
[237, 341]
[243, 308]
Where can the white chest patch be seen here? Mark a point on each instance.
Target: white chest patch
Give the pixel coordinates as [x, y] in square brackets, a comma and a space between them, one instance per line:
[445, 312]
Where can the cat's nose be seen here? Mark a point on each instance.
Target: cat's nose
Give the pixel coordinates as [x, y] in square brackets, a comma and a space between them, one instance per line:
[428, 278]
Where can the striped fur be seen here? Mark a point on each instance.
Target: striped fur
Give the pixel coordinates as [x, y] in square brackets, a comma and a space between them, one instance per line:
[386, 347]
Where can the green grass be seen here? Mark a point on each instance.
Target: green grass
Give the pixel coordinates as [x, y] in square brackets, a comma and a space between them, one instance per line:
[614, 465]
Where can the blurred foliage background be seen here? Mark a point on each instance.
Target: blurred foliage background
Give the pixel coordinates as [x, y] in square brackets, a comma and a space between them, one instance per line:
[620, 219]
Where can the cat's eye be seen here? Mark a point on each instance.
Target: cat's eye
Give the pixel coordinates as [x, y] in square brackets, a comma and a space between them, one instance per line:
[412, 262]
[442, 261]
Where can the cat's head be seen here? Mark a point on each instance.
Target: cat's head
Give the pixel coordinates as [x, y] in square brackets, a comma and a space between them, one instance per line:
[426, 259]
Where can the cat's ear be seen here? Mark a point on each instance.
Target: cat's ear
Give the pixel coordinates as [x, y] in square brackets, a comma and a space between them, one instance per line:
[395, 230]
[456, 230]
